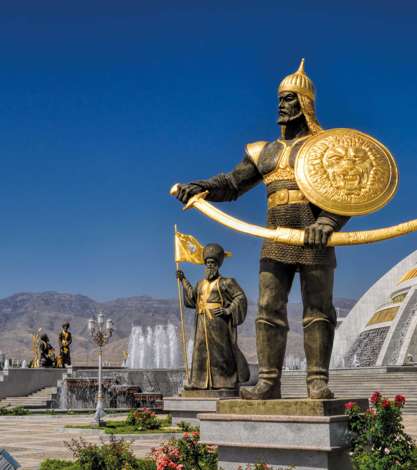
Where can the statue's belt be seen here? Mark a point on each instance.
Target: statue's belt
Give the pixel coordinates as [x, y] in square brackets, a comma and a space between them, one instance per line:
[286, 196]
[204, 308]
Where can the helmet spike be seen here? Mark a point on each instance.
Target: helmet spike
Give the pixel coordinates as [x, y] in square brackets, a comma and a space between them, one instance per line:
[301, 66]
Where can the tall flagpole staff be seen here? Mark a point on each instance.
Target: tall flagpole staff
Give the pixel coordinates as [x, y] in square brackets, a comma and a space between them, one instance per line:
[181, 305]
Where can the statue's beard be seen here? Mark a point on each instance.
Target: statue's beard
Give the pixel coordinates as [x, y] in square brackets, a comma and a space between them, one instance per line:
[284, 120]
[211, 273]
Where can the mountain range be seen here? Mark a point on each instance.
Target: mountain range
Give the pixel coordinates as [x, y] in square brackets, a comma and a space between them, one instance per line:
[23, 314]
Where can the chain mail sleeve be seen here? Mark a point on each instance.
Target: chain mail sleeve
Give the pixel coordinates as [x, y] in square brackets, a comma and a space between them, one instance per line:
[229, 186]
[334, 220]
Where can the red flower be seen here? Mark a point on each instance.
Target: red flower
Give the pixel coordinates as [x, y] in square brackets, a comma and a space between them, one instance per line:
[386, 404]
[399, 401]
[349, 405]
[375, 397]
[186, 435]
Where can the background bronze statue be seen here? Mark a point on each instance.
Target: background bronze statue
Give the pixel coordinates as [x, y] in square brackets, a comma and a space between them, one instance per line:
[221, 305]
[65, 340]
[47, 352]
[273, 163]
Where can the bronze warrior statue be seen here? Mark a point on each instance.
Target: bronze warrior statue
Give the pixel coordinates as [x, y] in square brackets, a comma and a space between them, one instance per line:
[47, 352]
[65, 340]
[221, 305]
[273, 163]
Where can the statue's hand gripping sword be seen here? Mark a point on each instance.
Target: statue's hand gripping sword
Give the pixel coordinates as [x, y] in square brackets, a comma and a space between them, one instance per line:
[290, 236]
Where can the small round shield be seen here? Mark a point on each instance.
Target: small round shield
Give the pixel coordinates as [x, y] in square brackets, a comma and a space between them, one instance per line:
[346, 172]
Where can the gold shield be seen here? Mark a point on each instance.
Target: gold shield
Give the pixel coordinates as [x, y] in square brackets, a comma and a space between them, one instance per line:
[346, 172]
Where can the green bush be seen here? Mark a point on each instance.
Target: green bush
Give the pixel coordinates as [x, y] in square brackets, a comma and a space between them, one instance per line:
[53, 464]
[146, 464]
[143, 420]
[166, 421]
[377, 437]
[185, 426]
[16, 411]
[116, 454]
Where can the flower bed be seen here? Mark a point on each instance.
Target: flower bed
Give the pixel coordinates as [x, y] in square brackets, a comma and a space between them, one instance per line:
[377, 437]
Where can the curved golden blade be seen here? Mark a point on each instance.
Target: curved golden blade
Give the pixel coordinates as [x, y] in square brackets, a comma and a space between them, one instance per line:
[289, 236]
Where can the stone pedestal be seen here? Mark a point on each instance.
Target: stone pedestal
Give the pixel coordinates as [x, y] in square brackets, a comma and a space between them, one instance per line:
[191, 402]
[187, 409]
[305, 434]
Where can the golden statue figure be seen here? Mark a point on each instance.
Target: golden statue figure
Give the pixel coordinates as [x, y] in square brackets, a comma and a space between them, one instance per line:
[65, 341]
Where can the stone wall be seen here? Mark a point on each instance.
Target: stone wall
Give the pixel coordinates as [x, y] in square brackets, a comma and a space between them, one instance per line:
[22, 382]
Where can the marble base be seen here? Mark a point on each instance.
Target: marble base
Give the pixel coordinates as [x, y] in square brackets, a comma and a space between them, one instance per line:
[288, 407]
[208, 393]
[306, 434]
[187, 408]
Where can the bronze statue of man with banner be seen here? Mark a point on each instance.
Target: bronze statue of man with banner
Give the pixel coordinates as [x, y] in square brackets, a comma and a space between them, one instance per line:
[315, 180]
[220, 304]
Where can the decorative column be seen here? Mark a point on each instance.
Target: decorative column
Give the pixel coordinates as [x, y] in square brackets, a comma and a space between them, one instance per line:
[101, 333]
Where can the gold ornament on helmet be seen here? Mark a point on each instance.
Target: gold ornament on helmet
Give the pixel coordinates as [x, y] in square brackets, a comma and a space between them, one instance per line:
[300, 84]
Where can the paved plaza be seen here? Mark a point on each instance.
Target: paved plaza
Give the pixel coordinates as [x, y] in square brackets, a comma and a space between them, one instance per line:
[31, 439]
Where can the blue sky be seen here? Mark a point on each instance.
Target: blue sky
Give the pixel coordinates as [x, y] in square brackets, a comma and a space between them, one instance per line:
[104, 105]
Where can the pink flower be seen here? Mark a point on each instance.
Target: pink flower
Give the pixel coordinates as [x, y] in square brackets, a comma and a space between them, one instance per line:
[386, 404]
[375, 397]
[349, 405]
[399, 401]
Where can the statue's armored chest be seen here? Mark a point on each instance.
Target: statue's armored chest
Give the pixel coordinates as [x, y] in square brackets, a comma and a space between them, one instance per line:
[276, 161]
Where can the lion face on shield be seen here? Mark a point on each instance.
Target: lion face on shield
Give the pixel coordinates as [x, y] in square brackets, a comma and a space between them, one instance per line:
[348, 167]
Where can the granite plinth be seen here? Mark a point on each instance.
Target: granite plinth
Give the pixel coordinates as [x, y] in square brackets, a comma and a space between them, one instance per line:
[306, 434]
[208, 393]
[286, 407]
[187, 408]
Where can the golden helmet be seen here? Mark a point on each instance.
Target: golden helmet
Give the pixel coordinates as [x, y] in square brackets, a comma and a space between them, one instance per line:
[299, 83]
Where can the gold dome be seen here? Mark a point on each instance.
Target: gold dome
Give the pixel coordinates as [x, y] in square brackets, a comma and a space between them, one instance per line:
[298, 82]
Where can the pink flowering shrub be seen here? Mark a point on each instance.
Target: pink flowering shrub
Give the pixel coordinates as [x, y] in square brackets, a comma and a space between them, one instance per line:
[377, 437]
[143, 420]
[186, 453]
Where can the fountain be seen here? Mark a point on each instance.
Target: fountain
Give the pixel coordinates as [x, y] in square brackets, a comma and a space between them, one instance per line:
[154, 347]
[154, 367]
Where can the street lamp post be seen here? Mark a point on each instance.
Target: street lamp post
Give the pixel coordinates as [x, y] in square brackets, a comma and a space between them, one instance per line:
[101, 333]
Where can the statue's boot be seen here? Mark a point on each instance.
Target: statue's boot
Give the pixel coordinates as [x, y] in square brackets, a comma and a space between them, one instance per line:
[318, 344]
[270, 344]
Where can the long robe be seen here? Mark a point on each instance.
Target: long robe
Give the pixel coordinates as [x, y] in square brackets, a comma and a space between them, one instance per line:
[217, 361]
[65, 340]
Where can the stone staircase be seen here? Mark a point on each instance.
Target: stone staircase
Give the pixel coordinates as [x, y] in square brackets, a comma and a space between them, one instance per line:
[44, 398]
[360, 383]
